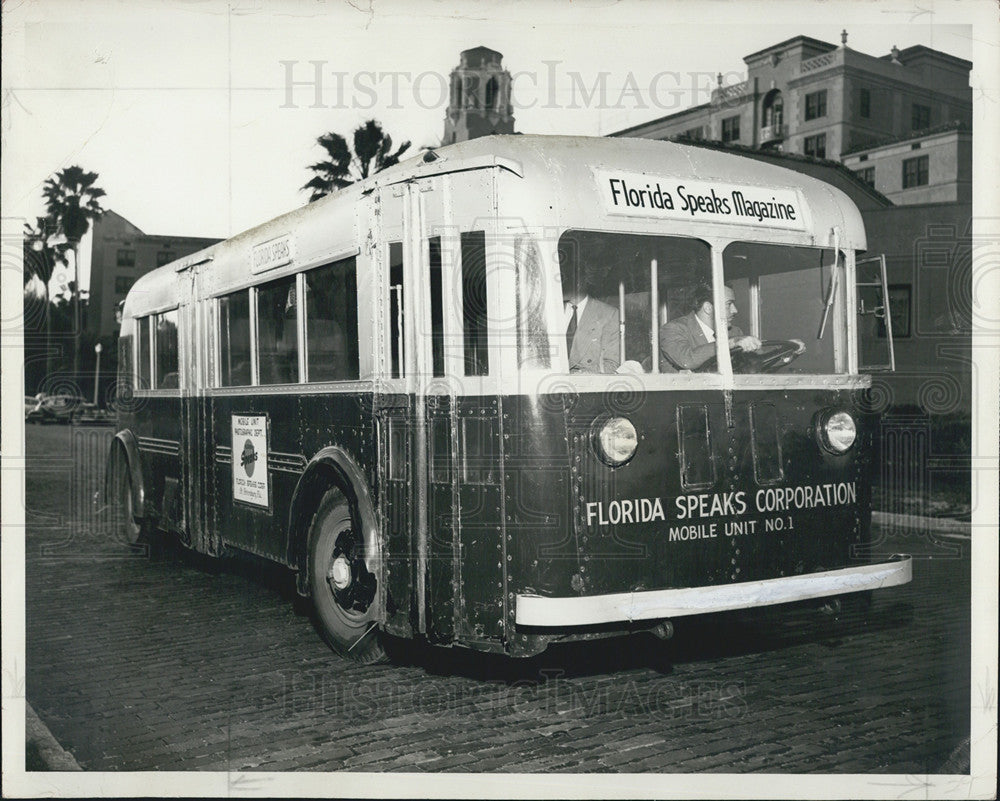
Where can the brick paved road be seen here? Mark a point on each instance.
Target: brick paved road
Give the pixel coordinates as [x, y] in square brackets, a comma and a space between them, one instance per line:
[165, 662]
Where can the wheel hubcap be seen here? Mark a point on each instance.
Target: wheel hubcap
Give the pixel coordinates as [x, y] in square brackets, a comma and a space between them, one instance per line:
[353, 587]
[340, 573]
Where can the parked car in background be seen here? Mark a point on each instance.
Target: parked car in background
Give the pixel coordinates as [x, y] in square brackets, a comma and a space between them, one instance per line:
[55, 408]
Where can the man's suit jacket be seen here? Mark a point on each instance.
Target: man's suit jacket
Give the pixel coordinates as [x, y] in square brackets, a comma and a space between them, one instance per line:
[595, 346]
[683, 345]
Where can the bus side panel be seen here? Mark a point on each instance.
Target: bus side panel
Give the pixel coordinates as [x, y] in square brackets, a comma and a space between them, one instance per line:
[259, 525]
[544, 542]
[481, 585]
[395, 442]
[442, 535]
[157, 430]
[342, 420]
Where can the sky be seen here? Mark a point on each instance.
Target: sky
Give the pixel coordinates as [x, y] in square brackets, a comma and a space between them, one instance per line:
[201, 116]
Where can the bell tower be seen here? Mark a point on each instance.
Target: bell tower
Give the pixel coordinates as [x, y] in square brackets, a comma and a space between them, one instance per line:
[479, 99]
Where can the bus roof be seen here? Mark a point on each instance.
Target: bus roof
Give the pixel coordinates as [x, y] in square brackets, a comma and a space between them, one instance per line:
[566, 164]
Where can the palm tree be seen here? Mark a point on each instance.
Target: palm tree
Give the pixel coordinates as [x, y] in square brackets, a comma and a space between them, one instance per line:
[372, 154]
[40, 257]
[72, 201]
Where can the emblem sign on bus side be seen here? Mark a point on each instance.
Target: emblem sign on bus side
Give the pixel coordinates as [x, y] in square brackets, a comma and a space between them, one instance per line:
[637, 194]
[273, 253]
[250, 459]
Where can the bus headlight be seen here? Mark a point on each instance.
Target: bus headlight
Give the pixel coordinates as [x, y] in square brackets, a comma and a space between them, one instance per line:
[615, 441]
[837, 431]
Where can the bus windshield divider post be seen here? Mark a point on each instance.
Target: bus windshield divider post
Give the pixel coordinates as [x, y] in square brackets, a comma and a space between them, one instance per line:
[621, 322]
[886, 316]
[833, 285]
[654, 304]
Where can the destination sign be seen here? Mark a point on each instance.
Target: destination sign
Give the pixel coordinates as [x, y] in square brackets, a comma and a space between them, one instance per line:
[273, 253]
[638, 194]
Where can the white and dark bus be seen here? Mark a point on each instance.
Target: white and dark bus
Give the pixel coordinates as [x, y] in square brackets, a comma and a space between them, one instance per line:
[519, 390]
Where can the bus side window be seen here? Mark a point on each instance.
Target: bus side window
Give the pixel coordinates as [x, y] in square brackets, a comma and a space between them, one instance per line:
[437, 306]
[277, 337]
[395, 309]
[144, 373]
[332, 322]
[165, 329]
[474, 303]
[125, 365]
[234, 339]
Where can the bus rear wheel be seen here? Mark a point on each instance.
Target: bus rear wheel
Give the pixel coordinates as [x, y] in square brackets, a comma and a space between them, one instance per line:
[344, 592]
[127, 530]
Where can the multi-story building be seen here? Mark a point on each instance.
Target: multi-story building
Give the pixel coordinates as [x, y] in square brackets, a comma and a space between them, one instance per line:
[479, 99]
[872, 113]
[120, 253]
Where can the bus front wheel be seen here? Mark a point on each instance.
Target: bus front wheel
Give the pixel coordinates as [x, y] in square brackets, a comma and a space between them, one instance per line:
[343, 590]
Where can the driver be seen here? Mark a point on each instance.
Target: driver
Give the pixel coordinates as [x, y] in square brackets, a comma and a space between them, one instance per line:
[689, 341]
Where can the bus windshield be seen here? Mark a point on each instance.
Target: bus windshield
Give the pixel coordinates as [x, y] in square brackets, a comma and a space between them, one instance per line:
[643, 304]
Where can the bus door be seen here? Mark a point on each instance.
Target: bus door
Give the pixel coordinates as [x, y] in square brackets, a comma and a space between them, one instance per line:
[458, 493]
[402, 485]
[438, 443]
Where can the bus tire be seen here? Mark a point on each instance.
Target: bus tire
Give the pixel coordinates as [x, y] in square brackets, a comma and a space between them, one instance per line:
[344, 593]
[128, 531]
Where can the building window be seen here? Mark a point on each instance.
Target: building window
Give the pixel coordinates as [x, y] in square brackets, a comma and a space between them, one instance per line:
[695, 133]
[900, 301]
[122, 284]
[164, 257]
[731, 129]
[921, 117]
[816, 105]
[915, 172]
[865, 103]
[868, 176]
[126, 257]
[816, 146]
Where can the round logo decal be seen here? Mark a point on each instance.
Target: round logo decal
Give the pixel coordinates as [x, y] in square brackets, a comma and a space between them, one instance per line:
[248, 458]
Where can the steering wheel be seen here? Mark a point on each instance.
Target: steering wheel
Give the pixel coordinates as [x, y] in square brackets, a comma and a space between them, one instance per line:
[773, 355]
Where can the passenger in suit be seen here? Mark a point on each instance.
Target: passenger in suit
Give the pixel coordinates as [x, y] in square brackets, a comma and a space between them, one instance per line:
[591, 331]
[689, 341]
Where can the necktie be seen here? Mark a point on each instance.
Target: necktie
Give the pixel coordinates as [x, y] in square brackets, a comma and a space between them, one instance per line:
[571, 331]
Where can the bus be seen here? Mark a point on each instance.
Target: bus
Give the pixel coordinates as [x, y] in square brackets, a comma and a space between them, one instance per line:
[519, 390]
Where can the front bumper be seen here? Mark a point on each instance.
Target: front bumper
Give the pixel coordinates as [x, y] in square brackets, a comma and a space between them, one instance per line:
[536, 610]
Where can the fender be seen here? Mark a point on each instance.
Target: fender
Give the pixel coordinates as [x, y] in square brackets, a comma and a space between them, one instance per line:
[315, 480]
[126, 440]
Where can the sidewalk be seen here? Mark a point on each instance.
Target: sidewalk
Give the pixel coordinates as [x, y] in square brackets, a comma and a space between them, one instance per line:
[41, 750]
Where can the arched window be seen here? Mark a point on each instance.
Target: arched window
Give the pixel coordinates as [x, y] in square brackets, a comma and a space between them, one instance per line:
[472, 91]
[492, 87]
[773, 108]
